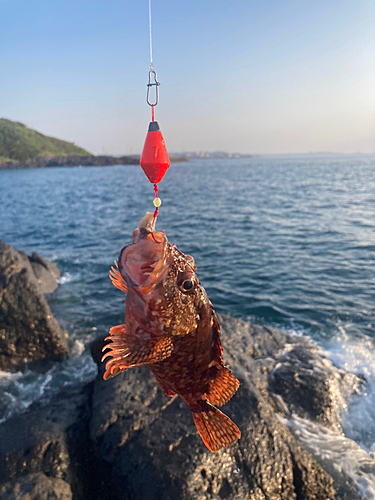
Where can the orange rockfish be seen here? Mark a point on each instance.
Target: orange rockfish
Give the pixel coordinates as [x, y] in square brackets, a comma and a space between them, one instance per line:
[171, 326]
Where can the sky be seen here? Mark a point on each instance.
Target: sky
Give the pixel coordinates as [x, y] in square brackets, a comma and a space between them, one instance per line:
[246, 76]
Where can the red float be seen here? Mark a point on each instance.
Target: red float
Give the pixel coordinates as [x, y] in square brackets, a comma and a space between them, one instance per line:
[154, 160]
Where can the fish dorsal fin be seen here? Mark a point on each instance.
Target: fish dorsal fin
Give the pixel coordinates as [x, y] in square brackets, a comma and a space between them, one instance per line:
[127, 351]
[117, 279]
[218, 350]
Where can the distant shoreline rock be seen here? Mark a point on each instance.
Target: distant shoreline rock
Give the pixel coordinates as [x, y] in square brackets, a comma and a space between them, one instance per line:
[49, 161]
[29, 333]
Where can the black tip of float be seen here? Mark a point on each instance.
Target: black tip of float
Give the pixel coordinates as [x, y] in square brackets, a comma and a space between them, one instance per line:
[153, 127]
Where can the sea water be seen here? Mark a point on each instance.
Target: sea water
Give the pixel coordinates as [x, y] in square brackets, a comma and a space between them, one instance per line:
[285, 240]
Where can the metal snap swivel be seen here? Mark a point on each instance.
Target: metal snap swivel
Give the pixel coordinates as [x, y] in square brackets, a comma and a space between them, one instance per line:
[152, 73]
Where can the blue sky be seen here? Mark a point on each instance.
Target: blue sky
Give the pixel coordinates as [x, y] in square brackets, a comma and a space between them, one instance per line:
[252, 76]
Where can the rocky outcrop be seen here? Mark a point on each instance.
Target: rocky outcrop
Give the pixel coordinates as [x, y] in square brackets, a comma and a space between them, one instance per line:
[29, 334]
[36, 486]
[45, 272]
[125, 439]
[154, 451]
[291, 373]
[45, 452]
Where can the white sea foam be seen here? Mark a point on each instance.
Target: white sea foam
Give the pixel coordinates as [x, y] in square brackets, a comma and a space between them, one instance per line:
[351, 454]
[357, 356]
[341, 457]
[77, 348]
[6, 376]
[19, 390]
[354, 355]
[67, 278]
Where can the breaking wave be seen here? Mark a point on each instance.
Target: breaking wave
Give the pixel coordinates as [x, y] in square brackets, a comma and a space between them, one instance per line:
[21, 389]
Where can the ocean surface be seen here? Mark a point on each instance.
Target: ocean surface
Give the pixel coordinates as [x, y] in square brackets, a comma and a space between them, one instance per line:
[287, 241]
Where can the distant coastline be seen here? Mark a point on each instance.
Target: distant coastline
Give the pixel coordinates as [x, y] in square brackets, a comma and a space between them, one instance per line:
[216, 155]
[49, 161]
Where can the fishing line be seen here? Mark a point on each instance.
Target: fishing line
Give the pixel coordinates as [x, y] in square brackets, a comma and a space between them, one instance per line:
[150, 24]
[152, 73]
[154, 159]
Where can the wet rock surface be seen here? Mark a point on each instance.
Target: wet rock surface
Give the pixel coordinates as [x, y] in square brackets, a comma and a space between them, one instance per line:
[292, 373]
[151, 440]
[154, 450]
[125, 439]
[45, 272]
[46, 451]
[36, 487]
[29, 334]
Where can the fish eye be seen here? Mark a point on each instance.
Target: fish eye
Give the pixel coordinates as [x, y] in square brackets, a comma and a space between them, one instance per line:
[187, 285]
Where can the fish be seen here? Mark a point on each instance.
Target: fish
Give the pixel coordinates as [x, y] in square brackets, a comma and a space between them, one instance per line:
[171, 327]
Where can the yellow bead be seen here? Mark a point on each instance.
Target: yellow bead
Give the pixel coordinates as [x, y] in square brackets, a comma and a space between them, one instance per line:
[157, 202]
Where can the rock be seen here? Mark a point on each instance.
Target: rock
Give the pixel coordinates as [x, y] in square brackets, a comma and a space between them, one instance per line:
[295, 377]
[152, 449]
[36, 487]
[125, 439]
[45, 272]
[29, 334]
[45, 452]
[291, 372]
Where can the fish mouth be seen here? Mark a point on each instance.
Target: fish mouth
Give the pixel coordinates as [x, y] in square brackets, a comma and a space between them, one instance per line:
[144, 262]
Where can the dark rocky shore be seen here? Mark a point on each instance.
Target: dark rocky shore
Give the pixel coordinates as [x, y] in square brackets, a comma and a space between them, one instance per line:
[77, 161]
[125, 439]
[29, 334]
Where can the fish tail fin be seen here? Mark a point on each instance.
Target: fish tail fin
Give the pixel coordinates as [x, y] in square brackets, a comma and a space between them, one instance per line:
[216, 429]
[117, 279]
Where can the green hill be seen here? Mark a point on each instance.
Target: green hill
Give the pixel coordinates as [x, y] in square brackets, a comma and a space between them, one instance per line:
[19, 143]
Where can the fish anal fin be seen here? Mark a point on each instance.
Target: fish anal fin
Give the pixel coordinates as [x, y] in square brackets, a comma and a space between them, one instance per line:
[127, 351]
[216, 429]
[222, 386]
[117, 279]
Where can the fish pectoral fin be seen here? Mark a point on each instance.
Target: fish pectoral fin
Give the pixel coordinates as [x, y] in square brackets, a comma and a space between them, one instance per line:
[149, 350]
[127, 351]
[115, 365]
[222, 386]
[216, 429]
[117, 279]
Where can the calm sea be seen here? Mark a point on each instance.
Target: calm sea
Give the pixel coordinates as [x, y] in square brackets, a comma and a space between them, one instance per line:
[287, 241]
